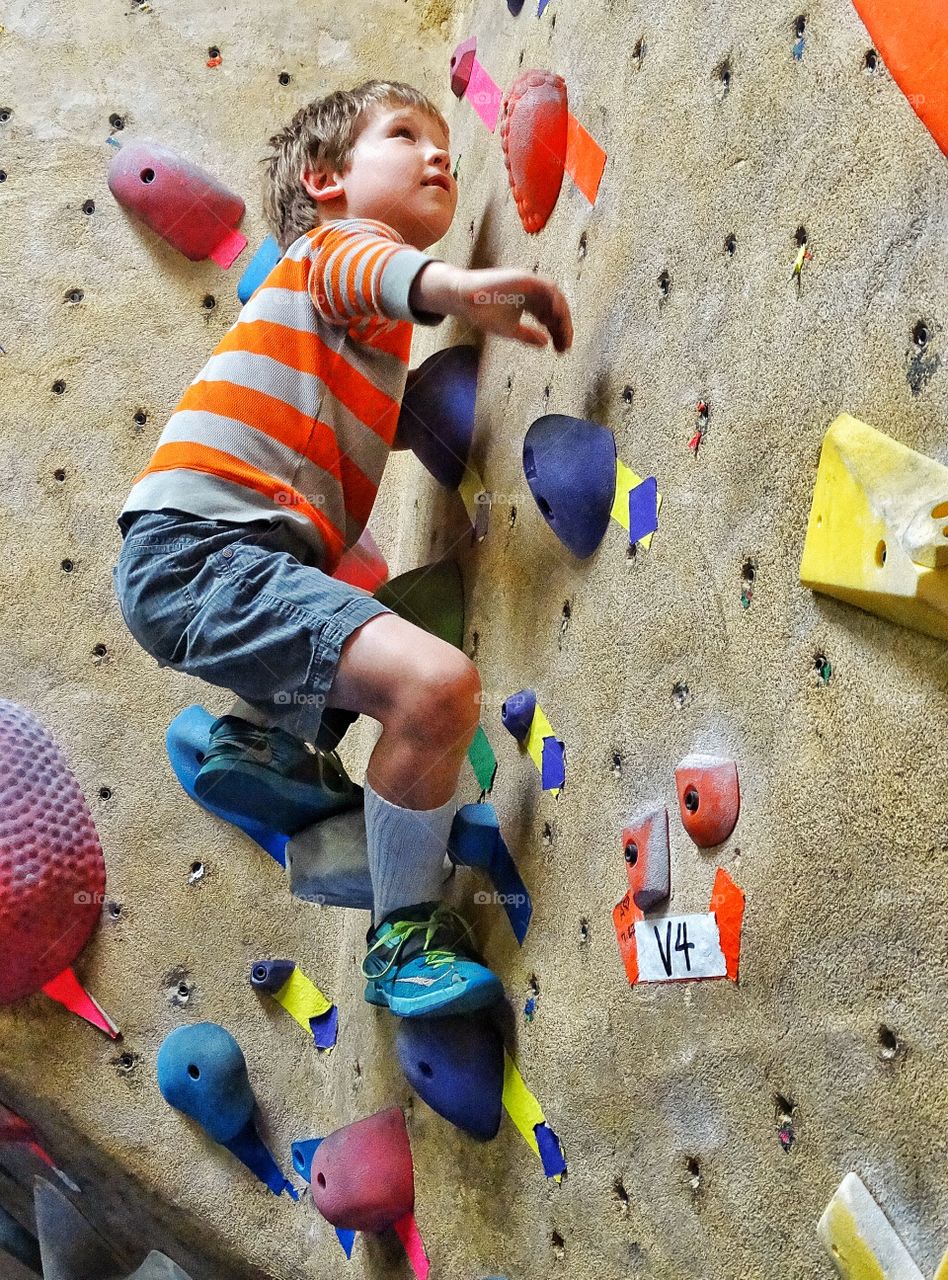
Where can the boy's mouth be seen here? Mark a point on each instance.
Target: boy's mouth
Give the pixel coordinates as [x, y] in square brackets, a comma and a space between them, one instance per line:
[439, 180]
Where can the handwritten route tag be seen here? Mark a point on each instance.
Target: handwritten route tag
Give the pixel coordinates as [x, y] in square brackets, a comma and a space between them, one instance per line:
[673, 948]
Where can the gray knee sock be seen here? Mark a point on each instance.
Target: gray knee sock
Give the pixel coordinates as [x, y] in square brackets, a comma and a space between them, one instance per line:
[406, 851]
[245, 711]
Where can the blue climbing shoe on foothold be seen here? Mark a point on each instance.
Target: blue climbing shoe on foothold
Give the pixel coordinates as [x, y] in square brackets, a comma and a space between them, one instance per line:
[269, 775]
[415, 968]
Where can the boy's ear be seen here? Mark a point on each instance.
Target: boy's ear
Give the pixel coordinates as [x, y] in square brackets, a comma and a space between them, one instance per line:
[321, 185]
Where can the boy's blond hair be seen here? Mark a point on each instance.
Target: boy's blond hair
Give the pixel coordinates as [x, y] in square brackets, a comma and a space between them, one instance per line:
[323, 134]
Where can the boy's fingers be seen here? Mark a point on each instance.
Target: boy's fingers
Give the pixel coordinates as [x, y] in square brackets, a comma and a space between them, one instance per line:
[533, 337]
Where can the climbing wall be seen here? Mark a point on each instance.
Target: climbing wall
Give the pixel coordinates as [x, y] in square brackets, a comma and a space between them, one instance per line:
[765, 250]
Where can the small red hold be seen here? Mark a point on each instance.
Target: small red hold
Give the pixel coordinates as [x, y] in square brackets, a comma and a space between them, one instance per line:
[362, 1177]
[185, 205]
[462, 64]
[709, 798]
[533, 133]
[645, 847]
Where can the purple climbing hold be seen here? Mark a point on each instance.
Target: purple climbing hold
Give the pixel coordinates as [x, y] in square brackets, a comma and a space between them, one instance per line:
[271, 975]
[437, 415]
[456, 1065]
[517, 713]
[570, 465]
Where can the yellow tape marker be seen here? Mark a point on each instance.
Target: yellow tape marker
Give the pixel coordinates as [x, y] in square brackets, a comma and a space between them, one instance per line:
[942, 1272]
[540, 728]
[626, 481]
[521, 1105]
[302, 999]
[476, 500]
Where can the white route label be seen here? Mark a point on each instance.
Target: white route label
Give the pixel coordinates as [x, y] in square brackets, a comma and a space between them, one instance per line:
[674, 948]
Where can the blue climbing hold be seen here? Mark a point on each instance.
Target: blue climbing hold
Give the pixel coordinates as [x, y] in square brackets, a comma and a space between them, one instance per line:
[202, 1072]
[258, 268]
[186, 742]
[436, 420]
[476, 841]
[517, 713]
[570, 466]
[456, 1065]
[271, 975]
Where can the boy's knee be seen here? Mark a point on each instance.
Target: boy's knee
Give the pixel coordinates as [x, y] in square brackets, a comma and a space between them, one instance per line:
[444, 701]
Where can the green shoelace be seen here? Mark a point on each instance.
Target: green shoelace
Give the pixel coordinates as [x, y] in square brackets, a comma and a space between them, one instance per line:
[402, 930]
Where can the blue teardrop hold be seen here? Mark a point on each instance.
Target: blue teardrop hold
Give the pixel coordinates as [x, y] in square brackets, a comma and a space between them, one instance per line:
[456, 1065]
[436, 420]
[202, 1072]
[517, 713]
[570, 466]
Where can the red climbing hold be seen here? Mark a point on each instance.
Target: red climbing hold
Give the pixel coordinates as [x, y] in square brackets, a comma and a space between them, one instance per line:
[462, 64]
[362, 1177]
[185, 205]
[709, 797]
[533, 133]
[52, 873]
[645, 847]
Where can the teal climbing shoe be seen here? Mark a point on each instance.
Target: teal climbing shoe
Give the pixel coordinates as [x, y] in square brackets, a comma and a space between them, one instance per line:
[414, 967]
[269, 775]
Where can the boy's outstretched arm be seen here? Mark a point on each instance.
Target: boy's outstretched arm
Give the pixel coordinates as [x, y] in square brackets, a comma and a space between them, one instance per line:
[494, 300]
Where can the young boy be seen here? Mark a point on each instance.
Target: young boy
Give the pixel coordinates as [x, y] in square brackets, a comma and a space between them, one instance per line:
[266, 473]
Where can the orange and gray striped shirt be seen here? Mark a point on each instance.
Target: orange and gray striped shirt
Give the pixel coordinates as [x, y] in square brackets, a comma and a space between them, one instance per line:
[295, 412]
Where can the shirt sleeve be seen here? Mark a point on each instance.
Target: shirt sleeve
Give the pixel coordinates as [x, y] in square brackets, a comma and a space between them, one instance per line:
[360, 270]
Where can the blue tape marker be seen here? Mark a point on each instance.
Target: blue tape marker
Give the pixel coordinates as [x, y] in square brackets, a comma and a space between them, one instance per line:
[643, 509]
[258, 268]
[325, 1027]
[553, 764]
[248, 1147]
[508, 883]
[551, 1153]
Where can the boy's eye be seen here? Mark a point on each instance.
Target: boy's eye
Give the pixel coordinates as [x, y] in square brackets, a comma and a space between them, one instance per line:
[403, 128]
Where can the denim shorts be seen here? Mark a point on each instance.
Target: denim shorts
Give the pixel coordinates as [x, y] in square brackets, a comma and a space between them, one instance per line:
[241, 606]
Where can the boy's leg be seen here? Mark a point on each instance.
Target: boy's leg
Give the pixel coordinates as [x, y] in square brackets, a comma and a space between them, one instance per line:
[425, 694]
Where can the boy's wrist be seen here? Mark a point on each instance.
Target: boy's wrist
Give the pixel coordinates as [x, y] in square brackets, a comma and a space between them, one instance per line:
[435, 288]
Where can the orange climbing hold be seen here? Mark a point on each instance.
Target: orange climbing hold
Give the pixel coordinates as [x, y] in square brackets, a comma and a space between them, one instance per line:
[709, 797]
[533, 133]
[913, 42]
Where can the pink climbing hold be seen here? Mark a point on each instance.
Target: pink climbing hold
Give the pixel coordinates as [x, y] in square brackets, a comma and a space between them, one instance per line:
[533, 133]
[52, 872]
[462, 63]
[185, 205]
[362, 1177]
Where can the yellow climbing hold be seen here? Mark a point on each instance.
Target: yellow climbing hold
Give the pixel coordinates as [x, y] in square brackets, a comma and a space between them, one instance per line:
[878, 530]
[860, 1239]
[942, 1272]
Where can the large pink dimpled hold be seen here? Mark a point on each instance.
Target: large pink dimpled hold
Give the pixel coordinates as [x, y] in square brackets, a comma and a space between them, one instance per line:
[52, 872]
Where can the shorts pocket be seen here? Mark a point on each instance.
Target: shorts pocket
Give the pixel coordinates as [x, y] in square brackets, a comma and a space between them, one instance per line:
[151, 585]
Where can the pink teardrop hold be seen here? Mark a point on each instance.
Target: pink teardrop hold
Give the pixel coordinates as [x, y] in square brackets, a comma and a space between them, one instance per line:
[52, 873]
[362, 1177]
[185, 205]
[533, 134]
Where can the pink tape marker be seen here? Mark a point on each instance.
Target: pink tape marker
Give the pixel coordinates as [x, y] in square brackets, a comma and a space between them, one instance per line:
[407, 1230]
[67, 990]
[469, 80]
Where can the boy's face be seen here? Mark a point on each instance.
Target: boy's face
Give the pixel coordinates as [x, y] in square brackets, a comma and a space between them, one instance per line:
[399, 173]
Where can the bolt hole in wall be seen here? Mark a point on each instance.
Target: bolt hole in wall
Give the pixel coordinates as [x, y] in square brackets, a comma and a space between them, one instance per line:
[800, 236]
[547, 836]
[581, 251]
[74, 296]
[638, 52]
[870, 62]
[890, 1046]
[88, 207]
[920, 334]
[116, 121]
[616, 764]
[722, 79]
[59, 387]
[621, 1194]
[558, 1245]
[115, 910]
[67, 566]
[59, 475]
[681, 694]
[784, 1109]
[284, 77]
[730, 245]
[664, 284]
[140, 417]
[209, 302]
[105, 793]
[694, 1173]
[583, 931]
[99, 651]
[628, 394]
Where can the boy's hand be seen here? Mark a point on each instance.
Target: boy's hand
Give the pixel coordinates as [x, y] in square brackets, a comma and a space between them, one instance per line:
[494, 300]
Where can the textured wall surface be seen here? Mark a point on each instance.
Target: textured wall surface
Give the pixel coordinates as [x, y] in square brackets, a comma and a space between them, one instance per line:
[668, 1099]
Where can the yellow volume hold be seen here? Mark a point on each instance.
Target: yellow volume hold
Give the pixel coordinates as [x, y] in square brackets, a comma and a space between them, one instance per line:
[860, 1239]
[878, 530]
